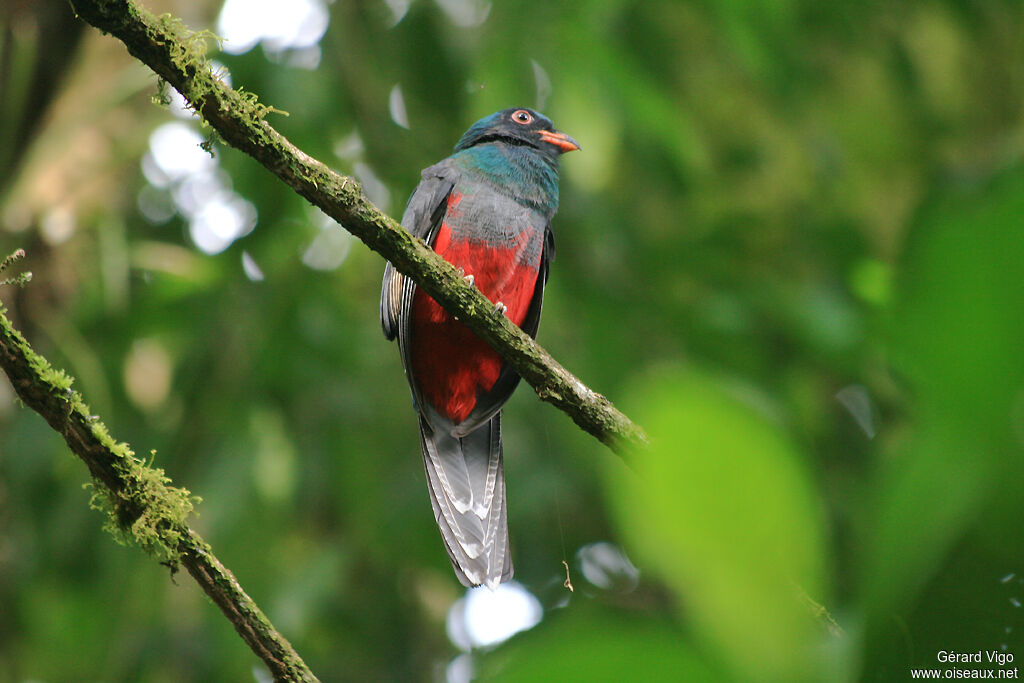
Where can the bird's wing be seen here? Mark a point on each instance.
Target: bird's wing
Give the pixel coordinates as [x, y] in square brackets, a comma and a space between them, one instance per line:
[422, 218]
[423, 215]
[532, 320]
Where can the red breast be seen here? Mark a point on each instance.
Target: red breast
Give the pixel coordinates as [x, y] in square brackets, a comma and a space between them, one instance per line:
[450, 364]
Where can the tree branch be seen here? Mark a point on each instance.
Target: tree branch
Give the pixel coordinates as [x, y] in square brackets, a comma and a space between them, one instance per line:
[141, 504]
[178, 57]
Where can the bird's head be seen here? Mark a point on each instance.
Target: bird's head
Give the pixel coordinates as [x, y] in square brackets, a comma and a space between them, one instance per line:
[518, 126]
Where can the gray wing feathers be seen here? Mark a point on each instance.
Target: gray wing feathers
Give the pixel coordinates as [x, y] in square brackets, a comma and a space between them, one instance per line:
[422, 217]
[466, 478]
[390, 300]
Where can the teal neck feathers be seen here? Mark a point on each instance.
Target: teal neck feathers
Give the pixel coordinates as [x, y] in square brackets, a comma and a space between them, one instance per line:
[525, 173]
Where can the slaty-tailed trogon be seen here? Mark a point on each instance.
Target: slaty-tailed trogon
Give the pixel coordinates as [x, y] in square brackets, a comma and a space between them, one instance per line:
[487, 210]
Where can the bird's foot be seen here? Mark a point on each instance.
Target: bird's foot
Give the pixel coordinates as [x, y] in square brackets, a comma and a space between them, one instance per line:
[500, 308]
[469, 278]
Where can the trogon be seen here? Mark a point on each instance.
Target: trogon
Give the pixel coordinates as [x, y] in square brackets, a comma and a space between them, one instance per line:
[487, 210]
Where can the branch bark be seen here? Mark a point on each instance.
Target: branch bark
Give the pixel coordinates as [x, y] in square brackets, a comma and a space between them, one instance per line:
[178, 57]
[141, 504]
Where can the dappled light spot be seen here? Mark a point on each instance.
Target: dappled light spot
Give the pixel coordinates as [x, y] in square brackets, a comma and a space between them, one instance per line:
[155, 205]
[606, 566]
[57, 225]
[220, 222]
[279, 26]
[152, 171]
[398, 10]
[147, 374]
[197, 190]
[460, 669]
[465, 13]
[178, 105]
[396, 107]
[251, 268]
[483, 617]
[349, 147]
[175, 153]
[260, 674]
[329, 248]
[857, 401]
[302, 58]
[373, 186]
[186, 179]
[543, 83]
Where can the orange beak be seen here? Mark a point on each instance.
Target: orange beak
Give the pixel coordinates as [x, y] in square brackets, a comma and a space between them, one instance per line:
[559, 140]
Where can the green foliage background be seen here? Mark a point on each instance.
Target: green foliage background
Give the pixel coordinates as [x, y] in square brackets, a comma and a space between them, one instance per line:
[775, 201]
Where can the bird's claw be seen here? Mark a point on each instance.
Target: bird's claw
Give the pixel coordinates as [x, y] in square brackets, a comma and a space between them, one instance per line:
[500, 308]
[469, 278]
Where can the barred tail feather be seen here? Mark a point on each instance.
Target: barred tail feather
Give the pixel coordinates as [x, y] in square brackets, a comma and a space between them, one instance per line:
[466, 480]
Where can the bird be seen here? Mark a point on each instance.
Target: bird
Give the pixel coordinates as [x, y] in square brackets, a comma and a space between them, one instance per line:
[487, 210]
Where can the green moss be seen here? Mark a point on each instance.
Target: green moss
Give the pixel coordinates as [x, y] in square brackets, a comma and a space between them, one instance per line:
[212, 139]
[188, 52]
[141, 505]
[190, 46]
[19, 280]
[8, 260]
[252, 105]
[147, 512]
[162, 96]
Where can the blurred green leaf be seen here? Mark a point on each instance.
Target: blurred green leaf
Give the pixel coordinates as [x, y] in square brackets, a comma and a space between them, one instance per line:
[722, 507]
[958, 335]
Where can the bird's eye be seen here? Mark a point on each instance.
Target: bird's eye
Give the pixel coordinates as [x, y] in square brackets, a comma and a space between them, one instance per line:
[522, 116]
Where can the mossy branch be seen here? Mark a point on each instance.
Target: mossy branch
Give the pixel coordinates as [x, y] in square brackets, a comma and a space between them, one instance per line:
[142, 506]
[179, 58]
[18, 280]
